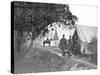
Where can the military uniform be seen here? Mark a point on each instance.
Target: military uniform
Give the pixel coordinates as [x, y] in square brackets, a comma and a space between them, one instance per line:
[63, 46]
[70, 47]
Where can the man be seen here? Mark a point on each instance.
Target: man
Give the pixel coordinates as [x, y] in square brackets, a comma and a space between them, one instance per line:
[69, 46]
[63, 45]
[76, 46]
[74, 51]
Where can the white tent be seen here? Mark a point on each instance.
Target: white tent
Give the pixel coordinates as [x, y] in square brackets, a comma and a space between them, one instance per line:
[56, 33]
[85, 33]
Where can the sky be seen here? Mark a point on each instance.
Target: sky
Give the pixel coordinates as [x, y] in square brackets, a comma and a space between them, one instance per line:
[87, 14]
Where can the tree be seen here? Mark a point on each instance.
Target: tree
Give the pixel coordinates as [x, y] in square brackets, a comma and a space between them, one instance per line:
[35, 17]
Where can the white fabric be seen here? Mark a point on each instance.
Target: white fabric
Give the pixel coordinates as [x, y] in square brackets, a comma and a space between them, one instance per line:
[86, 33]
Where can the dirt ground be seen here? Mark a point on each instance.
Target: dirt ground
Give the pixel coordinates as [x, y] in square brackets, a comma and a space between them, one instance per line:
[47, 59]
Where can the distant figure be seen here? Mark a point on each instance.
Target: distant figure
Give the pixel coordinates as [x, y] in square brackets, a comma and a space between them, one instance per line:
[63, 45]
[70, 46]
[48, 41]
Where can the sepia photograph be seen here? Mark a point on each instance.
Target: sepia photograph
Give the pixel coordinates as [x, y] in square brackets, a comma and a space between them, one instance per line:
[52, 37]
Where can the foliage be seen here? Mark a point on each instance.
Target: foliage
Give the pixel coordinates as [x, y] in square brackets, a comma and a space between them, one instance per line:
[35, 17]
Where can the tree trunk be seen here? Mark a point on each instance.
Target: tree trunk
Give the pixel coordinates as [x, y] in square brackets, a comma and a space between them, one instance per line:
[31, 45]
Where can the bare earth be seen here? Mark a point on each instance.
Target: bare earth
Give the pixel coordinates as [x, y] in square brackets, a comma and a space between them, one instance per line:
[49, 59]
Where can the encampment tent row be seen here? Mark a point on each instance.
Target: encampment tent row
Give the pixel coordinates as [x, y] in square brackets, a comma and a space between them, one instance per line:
[85, 33]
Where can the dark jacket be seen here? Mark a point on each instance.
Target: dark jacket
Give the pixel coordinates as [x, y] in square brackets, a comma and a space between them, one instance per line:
[63, 43]
[70, 43]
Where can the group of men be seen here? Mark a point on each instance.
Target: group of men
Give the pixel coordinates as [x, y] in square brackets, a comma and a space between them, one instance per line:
[69, 47]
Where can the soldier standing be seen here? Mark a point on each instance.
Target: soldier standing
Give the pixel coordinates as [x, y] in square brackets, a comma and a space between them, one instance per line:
[63, 45]
[69, 46]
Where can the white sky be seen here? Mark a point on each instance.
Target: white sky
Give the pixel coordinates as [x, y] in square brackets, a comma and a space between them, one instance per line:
[87, 14]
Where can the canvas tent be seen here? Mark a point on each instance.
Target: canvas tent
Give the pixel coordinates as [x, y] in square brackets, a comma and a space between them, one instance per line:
[56, 38]
[85, 33]
[55, 34]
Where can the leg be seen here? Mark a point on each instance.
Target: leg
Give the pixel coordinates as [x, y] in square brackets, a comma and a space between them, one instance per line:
[69, 52]
[63, 52]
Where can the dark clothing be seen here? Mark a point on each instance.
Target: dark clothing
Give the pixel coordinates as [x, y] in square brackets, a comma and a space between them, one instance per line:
[63, 43]
[69, 44]
[63, 52]
[76, 49]
[63, 46]
[69, 47]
